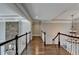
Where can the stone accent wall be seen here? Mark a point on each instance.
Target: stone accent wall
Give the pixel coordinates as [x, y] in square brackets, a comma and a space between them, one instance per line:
[12, 29]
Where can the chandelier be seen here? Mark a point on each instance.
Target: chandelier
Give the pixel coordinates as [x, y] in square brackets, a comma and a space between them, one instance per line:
[73, 32]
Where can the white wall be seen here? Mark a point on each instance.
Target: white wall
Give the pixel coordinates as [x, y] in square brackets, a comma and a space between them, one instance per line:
[52, 29]
[36, 29]
[25, 26]
[2, 35]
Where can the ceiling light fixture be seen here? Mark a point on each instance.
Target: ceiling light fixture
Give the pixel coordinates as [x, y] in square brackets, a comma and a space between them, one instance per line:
[73, 31]
[36, 17]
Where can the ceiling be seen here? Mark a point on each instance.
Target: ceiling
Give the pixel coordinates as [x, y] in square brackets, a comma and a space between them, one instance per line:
[42, 11]
[5, 10]
[7, 13]
[52, 11]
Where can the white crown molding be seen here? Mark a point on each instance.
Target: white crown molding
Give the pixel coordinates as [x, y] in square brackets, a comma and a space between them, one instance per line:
[77, 21]
[9, 15]
[9, 20]
[56, 21]
[23, 10]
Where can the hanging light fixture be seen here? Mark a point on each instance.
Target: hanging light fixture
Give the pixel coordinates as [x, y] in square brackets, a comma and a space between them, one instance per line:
[73, 32]
[72, 23]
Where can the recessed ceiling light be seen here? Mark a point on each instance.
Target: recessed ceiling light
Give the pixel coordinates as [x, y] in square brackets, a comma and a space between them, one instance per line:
[36, 17]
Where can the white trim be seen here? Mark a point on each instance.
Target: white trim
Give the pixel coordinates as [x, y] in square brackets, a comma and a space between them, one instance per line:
[35, 34]
[12, 18]
[9, 20]
[77, 21]
[57, 22]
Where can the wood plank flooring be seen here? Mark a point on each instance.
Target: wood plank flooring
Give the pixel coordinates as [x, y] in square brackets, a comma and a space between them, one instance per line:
[36, 47]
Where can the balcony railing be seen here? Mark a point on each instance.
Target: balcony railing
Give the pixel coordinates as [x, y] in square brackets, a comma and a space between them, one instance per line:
[73, 40]
[16, 42]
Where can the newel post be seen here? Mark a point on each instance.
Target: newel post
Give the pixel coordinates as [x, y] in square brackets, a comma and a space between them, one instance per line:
[16, 37]
[59, 40]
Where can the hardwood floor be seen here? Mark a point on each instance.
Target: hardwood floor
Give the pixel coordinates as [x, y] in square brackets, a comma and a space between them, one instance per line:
[36, 47]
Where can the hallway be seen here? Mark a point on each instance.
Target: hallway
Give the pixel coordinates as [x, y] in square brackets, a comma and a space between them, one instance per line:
[36, 47]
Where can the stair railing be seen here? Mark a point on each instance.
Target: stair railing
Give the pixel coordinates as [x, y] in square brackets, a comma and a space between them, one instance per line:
[58, 35]
[16, 40]
[75, 41]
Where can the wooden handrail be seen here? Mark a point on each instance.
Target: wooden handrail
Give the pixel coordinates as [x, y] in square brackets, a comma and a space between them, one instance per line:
[13, 39]
[58, 35]
[69, 35]
[6, 42]
[55, 36]
[64, 35]
[16, 39]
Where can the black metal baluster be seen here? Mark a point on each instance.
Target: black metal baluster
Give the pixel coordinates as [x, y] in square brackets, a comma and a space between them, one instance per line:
[44, 39]
[59, 40]
[16, 37]
[26, 40]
